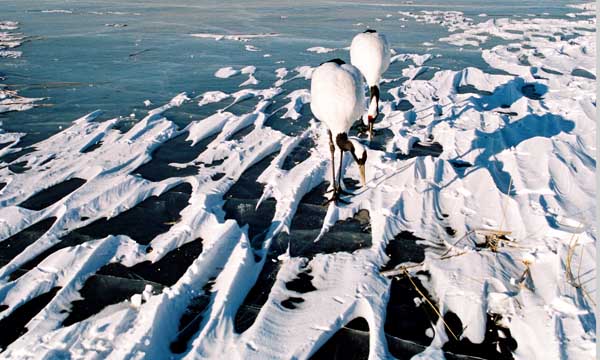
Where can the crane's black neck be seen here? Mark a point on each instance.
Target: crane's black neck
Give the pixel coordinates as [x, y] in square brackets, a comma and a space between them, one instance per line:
[337, 61]
[374, 90]
[370, 31]
[345, 144]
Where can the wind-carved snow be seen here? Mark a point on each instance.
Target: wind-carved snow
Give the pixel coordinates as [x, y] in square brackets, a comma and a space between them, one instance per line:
[234, 37]
[9, 99]
[320, 49]
[249, 70]
[417, 59]
[517, 156]
[226, 72]
[251, 48]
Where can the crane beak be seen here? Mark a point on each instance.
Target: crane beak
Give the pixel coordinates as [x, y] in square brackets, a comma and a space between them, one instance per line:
[371, 122]
[363, 179]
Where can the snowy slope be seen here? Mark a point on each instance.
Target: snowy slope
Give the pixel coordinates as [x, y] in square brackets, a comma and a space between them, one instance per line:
[516, 157]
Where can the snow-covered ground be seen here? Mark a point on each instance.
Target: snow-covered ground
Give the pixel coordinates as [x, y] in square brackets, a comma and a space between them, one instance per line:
[139, 238]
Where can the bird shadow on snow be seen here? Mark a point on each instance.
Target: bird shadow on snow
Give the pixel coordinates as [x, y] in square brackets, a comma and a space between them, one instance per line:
[510, 134]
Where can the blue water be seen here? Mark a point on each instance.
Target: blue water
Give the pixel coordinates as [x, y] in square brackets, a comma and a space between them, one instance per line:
[79, 48]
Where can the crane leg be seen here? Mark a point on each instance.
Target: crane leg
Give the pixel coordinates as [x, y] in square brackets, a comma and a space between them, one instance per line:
[335, 185]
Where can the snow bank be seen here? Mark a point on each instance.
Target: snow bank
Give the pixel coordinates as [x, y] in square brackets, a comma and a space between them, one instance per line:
[321, 50]
[235, 37]
[10, 100]
[516, 158]
[226, 72]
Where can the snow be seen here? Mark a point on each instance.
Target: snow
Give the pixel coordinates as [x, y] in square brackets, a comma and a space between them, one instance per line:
[57, 11]
[210, 97]
[527, 138]
[234, 37]
[320, 49]
[417, 59]
[226, 72]
[9, 25]
[10, 100]
[298, 98]
[249, 70]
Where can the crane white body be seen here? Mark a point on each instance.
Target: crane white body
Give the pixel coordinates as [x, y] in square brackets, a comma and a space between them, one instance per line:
[337, 99]
[337, 96]
[370, 53]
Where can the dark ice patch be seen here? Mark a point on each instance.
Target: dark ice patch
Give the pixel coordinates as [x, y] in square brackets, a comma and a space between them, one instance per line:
[242, 198]
[583, 73]
[404, 248]
[100, 291]
[405, 319]
[14, 325]
[19, 167]
[350, 342]
[176, 150]
[258, 295]
[433, 149]
[534, 91]
[17, 243]
[288, 126]
[143, 222]
[292, 302]
[114, 283]
[300, 153]
[498, 342]
[91, 147]
[241, 133]
[471, 89]
[190, 321]
[9, 158]
[404, 105]
[166, 271]
[551, 71]
[51, 195]
[345, 236]
[302, 283]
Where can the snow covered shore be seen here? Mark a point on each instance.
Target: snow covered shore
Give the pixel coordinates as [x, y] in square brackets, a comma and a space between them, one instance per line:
[493, 173]
[9, 40]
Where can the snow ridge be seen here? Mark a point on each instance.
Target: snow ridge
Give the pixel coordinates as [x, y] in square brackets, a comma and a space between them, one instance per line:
[517, 156]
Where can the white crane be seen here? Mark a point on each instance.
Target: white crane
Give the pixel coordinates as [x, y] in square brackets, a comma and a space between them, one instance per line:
[370, 53]
[337, 99]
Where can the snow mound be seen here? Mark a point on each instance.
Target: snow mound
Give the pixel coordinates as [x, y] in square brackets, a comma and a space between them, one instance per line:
[494, 174]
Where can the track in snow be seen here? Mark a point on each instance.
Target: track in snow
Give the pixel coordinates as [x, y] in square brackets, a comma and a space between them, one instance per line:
[129, 239]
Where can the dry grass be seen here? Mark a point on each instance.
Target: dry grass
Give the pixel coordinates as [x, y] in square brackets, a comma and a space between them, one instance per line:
[572, 278]
[493, 238]
[430, 304]
[400, 270]
[525, 280]
[403, 271]
[493, 241]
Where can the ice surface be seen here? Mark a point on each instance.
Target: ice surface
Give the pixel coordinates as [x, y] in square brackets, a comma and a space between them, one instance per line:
[480, 178]
[10, 100]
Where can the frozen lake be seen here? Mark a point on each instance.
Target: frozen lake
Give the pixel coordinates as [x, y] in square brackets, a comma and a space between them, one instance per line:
[185, 219]
[82, 65]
